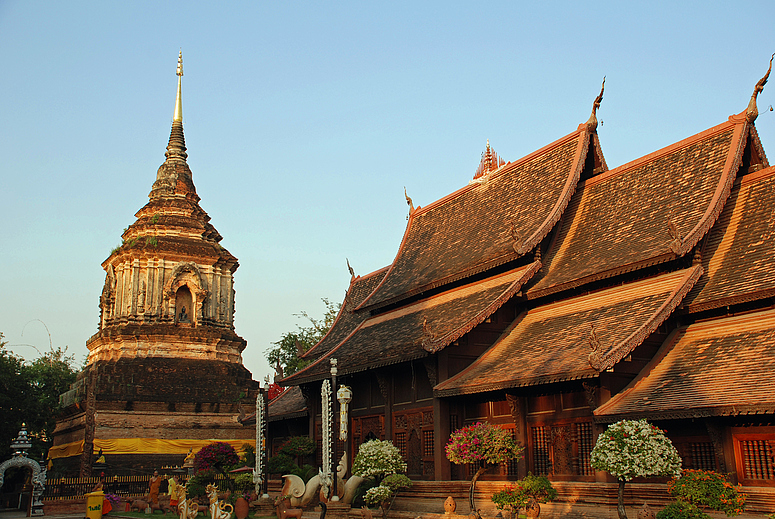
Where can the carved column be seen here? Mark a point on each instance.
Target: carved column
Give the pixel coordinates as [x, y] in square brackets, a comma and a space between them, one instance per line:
[517, 410]
[118, 307]
[387, 396]
[135, 287]
[716, 434]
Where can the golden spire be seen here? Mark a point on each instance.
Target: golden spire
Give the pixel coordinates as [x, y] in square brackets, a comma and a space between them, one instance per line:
[176, 149]
[752, 112]
[179, 99]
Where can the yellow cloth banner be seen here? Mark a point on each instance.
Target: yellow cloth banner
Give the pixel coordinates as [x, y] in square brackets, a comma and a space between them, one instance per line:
[141, 446]
[66, 450]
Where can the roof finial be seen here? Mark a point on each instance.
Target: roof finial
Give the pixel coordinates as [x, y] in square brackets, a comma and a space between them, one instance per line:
[752, 112]
[176, 149]
[592, 121]
[352, 272]
[488, 157]
[409, 201]
[179, 99]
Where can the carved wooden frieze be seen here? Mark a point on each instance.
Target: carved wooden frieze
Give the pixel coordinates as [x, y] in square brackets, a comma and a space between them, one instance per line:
[430, 368]
[515, 408]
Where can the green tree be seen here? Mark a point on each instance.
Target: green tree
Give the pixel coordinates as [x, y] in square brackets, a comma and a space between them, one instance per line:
[29, 394]
[288, 350]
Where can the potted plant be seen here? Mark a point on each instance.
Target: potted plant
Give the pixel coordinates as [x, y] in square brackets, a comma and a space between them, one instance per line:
[525, 493]
[243, 484]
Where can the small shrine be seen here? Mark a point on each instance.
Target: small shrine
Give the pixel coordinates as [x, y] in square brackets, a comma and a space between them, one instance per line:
[20, 446]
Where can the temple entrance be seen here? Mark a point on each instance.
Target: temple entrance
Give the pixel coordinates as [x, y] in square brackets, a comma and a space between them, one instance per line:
[183, 305]
[16, 490]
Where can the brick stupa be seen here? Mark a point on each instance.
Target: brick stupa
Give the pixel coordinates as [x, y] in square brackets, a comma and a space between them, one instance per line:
[164, 372]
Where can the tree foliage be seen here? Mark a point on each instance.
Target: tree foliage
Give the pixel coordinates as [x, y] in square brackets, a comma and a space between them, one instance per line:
[482, 442]
[29, 394]
[635, 448]
[216, 457]
[287, 350]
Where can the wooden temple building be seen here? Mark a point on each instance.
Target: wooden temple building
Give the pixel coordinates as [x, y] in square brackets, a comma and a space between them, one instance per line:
[553, 296]
[165, 372]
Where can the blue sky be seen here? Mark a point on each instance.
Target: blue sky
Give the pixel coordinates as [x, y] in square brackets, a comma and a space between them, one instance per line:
[304, 122]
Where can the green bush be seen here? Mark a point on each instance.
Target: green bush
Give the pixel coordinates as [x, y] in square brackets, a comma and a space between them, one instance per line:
[707, 489]
[248, 456]
[516, 496]
[298, 446]
[681, 510]
[197, 485]
[281, 464]
[244, 483]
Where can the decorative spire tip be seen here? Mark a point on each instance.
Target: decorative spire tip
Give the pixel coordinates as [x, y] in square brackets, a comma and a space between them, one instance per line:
[178, 117]
[592, 121]
[752, 112]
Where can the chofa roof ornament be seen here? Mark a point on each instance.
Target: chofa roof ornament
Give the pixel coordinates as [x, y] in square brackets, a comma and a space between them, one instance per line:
[592, 121]
[752, 112]
[490, 162]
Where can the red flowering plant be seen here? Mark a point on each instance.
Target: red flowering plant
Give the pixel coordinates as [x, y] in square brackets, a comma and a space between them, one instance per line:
[707, 490]
[484, 445]
[216, 457]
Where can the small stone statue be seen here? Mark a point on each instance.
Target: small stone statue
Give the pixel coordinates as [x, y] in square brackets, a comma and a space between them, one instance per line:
[183, 316]
[449, 505]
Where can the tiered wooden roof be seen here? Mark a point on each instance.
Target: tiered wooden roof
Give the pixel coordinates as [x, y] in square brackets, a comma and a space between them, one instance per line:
[346, 320]
[714, 368]
[574, 338]
[415, 330]
[488, 223]
[287, 405]
[739, 256]
[649, 211]
[650, 219]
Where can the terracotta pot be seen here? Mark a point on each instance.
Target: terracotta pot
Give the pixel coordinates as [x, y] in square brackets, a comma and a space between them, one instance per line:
[533, 509]
[241, 508]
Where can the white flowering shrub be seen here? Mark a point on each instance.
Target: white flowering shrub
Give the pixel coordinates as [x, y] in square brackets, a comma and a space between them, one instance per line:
[633, 448]
[377, 495]
[381, 461]
[377, 459]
